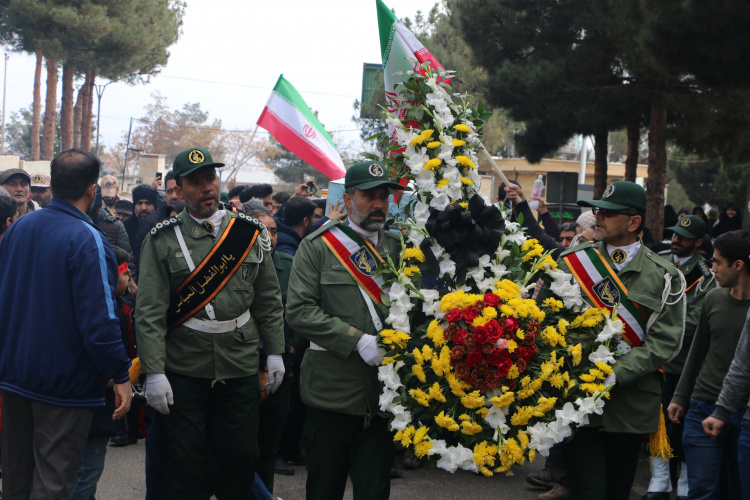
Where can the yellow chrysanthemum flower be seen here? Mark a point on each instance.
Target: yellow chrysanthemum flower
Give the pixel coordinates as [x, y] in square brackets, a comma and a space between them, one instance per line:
[457, 143]
[420, 396]
[489, 313]
[529, 244]
[522, 415]
[411, 270]
[455, 385]
[461, 127]
[435, 333]
[466, 181]
[442, 183]
[433, 164]
[562, 326]
[473, 400]
[433, 144]
[470, 428]
[414, 253]
[553, 304]
[480, 321]
[465, 161]
[418, 359]
[513, 373]
[446, 422]
[422, 449]
[576, 352]
[419, 372]
[436, 393]
[512, 346]
[504, 400]
[520, 334]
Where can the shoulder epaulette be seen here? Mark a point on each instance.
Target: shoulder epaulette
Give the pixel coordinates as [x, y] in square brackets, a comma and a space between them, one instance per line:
[655, 258]
[323, 229]
[172, 221]
[705, 269]
[578, 247]
[665, 252]
[247, 219]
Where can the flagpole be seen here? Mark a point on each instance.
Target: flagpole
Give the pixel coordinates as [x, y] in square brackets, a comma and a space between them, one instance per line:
[489, 158]
[237, 168]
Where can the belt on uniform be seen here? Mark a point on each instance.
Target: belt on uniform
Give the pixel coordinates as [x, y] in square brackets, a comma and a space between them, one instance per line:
[213, 326]
[316, 347]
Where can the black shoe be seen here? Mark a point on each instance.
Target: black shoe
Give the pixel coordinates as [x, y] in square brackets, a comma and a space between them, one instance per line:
[296, 459]
[119, 441]
[283, 469]
[656, 495]
[542, 479]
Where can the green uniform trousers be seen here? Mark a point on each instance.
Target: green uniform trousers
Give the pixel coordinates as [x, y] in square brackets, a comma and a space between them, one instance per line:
[228, 411]
[601, 465]
[273, 412]
[338, 445]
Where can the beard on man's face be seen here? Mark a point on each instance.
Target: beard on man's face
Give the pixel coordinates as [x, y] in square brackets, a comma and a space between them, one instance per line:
[365, 221]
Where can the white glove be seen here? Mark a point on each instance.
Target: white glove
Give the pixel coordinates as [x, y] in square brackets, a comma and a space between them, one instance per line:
[275, 372]
[369, 351]
[158, 392]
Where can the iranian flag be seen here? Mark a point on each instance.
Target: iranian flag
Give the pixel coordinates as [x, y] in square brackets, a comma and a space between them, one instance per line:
[289, 119]
[398, 46]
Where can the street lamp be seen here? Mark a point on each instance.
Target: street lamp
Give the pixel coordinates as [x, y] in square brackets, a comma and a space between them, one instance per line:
[99, 94]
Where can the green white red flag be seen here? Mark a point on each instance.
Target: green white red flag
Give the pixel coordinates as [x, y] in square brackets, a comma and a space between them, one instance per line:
[398, 45]
[289, 119]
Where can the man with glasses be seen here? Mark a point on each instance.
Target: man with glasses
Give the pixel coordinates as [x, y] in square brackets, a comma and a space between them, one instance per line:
[619, 270]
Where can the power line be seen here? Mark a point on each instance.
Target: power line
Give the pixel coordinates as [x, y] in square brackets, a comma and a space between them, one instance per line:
[227, 130]
[254, 86]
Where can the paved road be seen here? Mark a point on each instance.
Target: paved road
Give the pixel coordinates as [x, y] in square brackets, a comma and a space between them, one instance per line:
[124, 479]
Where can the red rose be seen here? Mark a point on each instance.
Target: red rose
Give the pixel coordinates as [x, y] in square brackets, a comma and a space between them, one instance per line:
[480, 335]
[470, 313]
[460, 336]
[491, 299]
[509, 324]
[453, 315]
[525, 353]
[493, 329]
[473, 358]
[498, 357]
[504, 367]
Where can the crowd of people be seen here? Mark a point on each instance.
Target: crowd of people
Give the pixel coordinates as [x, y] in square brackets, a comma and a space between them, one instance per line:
[237, 334]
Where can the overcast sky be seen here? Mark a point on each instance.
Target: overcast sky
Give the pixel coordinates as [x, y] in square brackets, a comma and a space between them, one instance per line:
[231, 53]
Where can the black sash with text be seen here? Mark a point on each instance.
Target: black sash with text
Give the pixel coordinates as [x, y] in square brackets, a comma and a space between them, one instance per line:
[213, 273]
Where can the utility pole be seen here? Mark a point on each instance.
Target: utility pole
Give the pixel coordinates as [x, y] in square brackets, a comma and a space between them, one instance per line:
[99, 94]
[2, 128]
[127, 149]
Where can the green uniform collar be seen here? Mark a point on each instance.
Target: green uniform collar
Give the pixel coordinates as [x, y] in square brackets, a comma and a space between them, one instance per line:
[197, 231]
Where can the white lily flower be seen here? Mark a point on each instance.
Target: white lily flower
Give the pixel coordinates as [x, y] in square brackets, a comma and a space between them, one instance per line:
[495, 417]
[388, 374]
[602, 354]
[447, 266]
[440, 201]
[611, 329]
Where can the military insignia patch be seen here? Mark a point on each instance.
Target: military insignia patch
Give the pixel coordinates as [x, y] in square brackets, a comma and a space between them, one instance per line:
[208, 225]
[364, 261]
[375, 170]
[607, 292]
[196, 231]
[196, 156]
[609, 191]
[245, 271]
[619, 256]
[37, 178]
[685, 222]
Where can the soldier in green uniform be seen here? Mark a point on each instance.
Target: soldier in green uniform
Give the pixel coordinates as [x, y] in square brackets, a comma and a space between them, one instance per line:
[208, 293]
[601, 458]
[685, 255]
[339, 384]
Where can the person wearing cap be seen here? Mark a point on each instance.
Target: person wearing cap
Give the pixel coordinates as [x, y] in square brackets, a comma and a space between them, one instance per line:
[720, 325]
[40, 190]
[339, 379]
[687, 237]
[16, 181]
[601, 458]
[123, 209]
[110, 189]
[207, 296]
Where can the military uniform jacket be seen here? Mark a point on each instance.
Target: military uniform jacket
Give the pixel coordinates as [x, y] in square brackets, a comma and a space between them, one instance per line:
[635, 400]
[325, 306]
[215, 356]
[695, 268]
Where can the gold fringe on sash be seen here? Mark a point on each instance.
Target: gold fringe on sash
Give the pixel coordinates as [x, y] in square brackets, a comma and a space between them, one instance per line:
[658, 442]
[134, 370]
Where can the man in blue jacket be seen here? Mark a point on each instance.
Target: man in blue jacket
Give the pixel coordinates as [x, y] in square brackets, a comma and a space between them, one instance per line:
[60, 341]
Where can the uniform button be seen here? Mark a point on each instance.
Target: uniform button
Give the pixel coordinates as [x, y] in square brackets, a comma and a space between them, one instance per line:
[648, 254]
